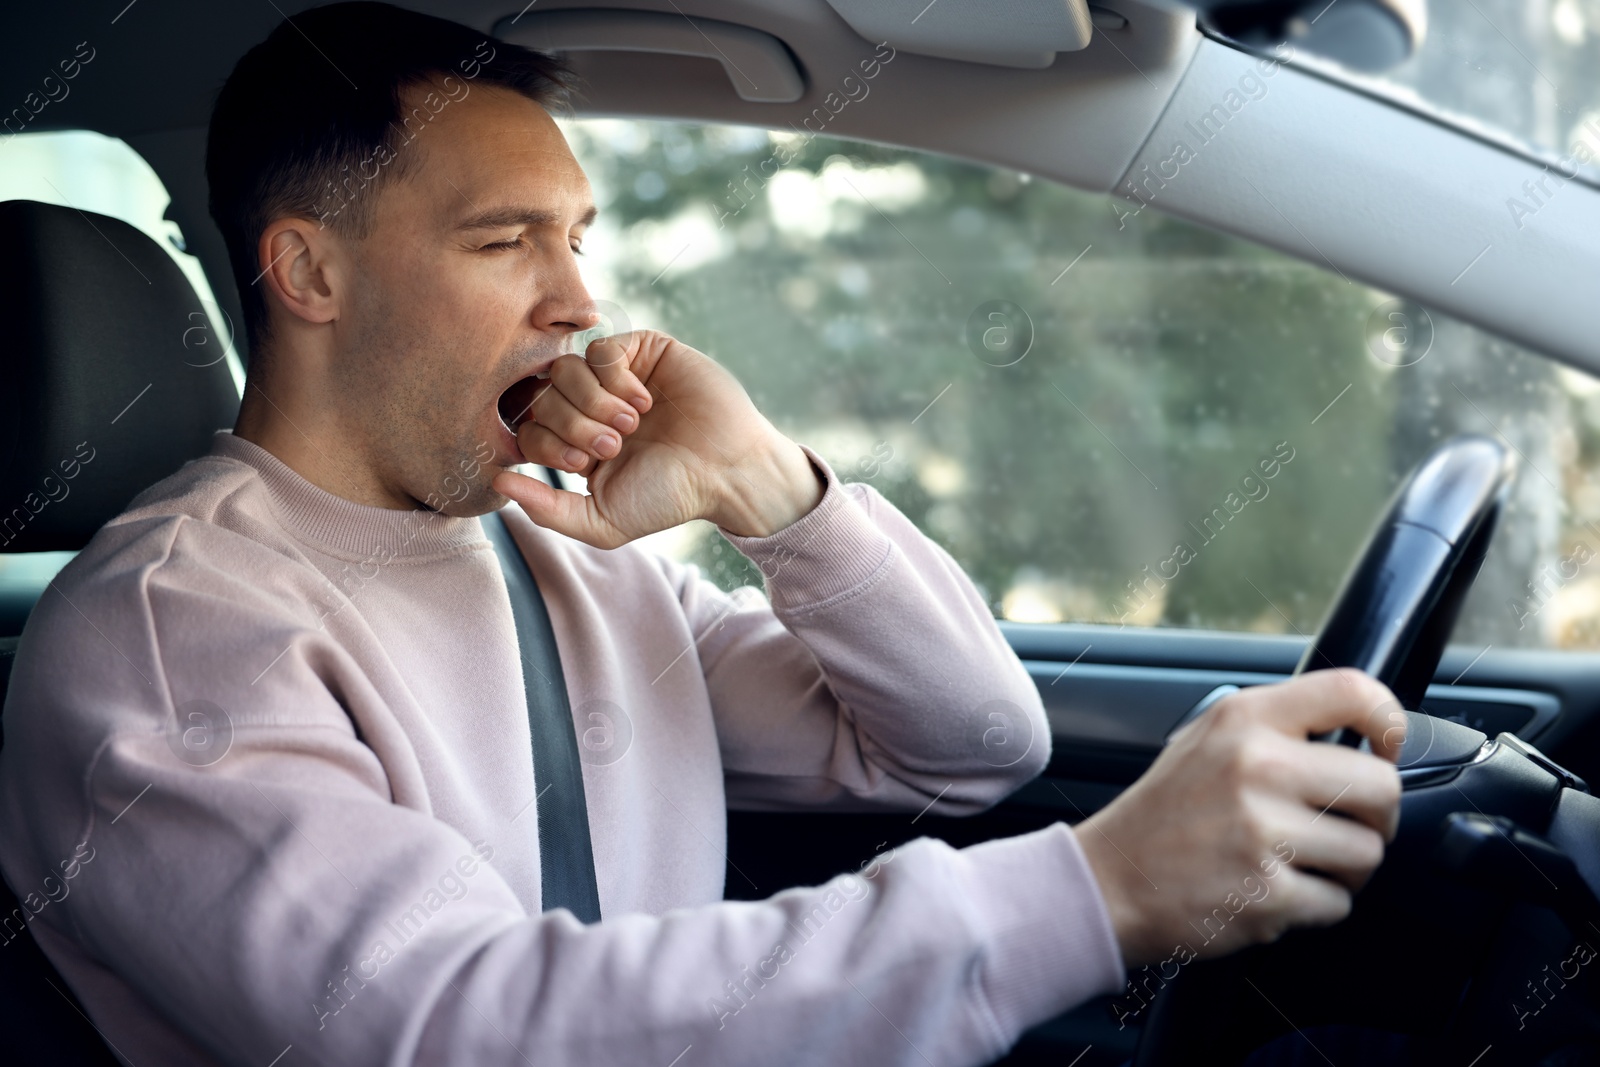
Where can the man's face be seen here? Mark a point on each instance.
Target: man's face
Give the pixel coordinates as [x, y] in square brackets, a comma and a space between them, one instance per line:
[466, 284]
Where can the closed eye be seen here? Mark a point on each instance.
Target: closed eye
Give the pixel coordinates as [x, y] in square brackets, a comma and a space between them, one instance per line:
[516, 242]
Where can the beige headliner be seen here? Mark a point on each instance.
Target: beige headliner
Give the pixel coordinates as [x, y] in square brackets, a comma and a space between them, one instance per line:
[1342, 180]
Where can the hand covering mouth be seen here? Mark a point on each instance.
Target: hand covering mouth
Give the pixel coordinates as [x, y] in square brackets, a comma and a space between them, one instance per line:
[516, 402]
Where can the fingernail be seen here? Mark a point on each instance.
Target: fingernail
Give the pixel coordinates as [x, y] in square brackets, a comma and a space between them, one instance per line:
[624, 421]
[574, 458]
[639, 402]
[606, 444]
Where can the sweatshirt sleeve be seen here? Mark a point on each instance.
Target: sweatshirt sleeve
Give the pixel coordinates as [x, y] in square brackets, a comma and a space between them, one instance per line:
[876, 677]
[265, 893]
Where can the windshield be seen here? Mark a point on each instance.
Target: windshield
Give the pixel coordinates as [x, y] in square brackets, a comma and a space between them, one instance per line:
[1524, 69]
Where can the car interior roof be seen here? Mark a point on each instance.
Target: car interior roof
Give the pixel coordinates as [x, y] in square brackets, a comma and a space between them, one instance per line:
[1354, 184]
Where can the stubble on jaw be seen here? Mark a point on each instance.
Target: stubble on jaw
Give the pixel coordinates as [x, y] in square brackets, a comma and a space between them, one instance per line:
[435, 433]
[467, 466]
[419, 419]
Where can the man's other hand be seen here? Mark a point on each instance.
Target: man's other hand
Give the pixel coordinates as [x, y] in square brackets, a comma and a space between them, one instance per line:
[1244, 827]
[664, 435]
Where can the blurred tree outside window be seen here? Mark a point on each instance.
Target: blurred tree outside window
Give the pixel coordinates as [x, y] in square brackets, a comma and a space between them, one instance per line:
[1132, 420]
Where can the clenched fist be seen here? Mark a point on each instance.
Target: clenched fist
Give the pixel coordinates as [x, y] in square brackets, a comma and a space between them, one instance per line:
[1243, 827]
[664, 435]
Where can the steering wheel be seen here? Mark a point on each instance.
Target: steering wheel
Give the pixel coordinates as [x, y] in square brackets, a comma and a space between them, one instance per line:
[1399, 602]
[1391, 618]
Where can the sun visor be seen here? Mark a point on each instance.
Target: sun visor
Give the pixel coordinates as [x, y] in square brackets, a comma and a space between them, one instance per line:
[1006, 33]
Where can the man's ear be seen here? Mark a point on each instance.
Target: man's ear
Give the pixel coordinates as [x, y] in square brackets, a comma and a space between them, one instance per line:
[300, 265]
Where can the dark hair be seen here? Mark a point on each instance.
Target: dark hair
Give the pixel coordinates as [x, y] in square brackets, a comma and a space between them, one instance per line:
[310, 122]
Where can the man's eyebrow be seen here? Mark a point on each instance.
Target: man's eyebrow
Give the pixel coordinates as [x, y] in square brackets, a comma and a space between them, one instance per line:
[519, 216]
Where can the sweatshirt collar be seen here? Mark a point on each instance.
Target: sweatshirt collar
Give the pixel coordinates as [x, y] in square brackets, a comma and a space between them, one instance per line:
[343, 525]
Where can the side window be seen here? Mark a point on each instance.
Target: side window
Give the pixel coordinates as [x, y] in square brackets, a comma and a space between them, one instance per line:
[100, 174]
[1104, 415]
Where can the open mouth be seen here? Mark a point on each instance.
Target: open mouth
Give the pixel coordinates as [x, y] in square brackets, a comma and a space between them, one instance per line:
[517, 401]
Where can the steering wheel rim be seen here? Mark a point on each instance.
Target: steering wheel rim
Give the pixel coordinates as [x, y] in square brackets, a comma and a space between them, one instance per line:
[1399, 601]
[1391, 618]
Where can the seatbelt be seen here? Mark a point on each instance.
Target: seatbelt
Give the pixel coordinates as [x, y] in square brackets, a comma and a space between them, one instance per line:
[566, 857]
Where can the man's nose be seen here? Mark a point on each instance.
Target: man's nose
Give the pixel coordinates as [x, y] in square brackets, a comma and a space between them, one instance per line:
[567, 306]
[586, 318]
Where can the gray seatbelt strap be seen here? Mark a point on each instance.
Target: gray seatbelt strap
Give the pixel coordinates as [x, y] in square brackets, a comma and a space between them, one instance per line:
[566, 856]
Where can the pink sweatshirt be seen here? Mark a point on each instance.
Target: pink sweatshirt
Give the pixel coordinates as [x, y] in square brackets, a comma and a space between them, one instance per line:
[267, 790]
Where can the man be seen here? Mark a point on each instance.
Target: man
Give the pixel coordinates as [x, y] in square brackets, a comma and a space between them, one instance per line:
[345, 869]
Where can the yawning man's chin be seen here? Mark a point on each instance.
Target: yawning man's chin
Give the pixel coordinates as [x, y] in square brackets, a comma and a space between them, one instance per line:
[461, 483]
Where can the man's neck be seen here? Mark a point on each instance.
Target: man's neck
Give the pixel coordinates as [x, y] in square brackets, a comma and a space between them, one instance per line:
[277, 418]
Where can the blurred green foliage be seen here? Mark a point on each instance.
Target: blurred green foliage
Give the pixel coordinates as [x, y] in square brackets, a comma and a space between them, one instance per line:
[1164, 365]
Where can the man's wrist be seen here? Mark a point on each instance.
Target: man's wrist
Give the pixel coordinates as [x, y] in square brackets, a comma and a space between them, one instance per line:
[771, 492]
[1120, 909]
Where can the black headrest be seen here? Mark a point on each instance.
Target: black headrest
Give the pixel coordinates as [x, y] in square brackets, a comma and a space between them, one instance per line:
[110, 378]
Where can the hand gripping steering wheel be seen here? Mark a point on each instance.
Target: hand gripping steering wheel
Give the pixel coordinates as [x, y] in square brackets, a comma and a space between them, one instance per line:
[1391, 618]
